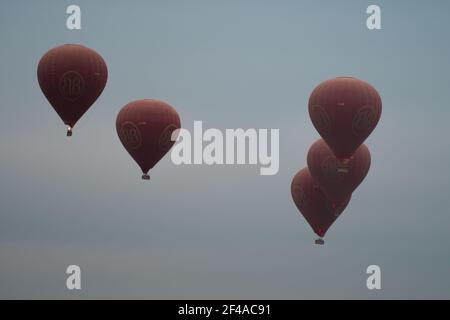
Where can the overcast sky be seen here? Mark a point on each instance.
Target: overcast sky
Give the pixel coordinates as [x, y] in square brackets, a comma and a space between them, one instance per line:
[223, 231]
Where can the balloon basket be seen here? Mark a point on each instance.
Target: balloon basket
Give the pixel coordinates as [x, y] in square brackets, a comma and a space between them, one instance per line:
[319, 241]
[69, 132]
[145, 177]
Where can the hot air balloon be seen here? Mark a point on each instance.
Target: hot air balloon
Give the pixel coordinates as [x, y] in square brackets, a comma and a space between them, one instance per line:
[337, 177]
[310, 200]
[344, 111]
[145, 129]
[72, 77]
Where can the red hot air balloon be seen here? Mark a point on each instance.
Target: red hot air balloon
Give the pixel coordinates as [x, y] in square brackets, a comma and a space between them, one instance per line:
[318, 211]
[338, 178]
[145, 128]
[72, 77]
[344, 111]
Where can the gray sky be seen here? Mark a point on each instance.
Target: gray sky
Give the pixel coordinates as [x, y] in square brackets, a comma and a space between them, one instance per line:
[223, 231]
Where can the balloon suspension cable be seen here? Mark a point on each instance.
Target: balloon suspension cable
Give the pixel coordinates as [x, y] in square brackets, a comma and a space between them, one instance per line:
[145, 176]
[69, 131]
[319, 241]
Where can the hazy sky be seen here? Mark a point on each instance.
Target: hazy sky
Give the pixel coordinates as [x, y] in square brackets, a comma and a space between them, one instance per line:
[223, 231]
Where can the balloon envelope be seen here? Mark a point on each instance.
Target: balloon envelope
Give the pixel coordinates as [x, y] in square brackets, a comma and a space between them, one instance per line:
[72, 77]
[145, 128]
[337, 177]
[344, 111]
[318, 211]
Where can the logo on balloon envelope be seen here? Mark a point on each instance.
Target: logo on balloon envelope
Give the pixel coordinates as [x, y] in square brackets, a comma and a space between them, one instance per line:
[71, 85]
[363, 120]
[130, 135]
[321, 119]
[334, 169]
[165, 140]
